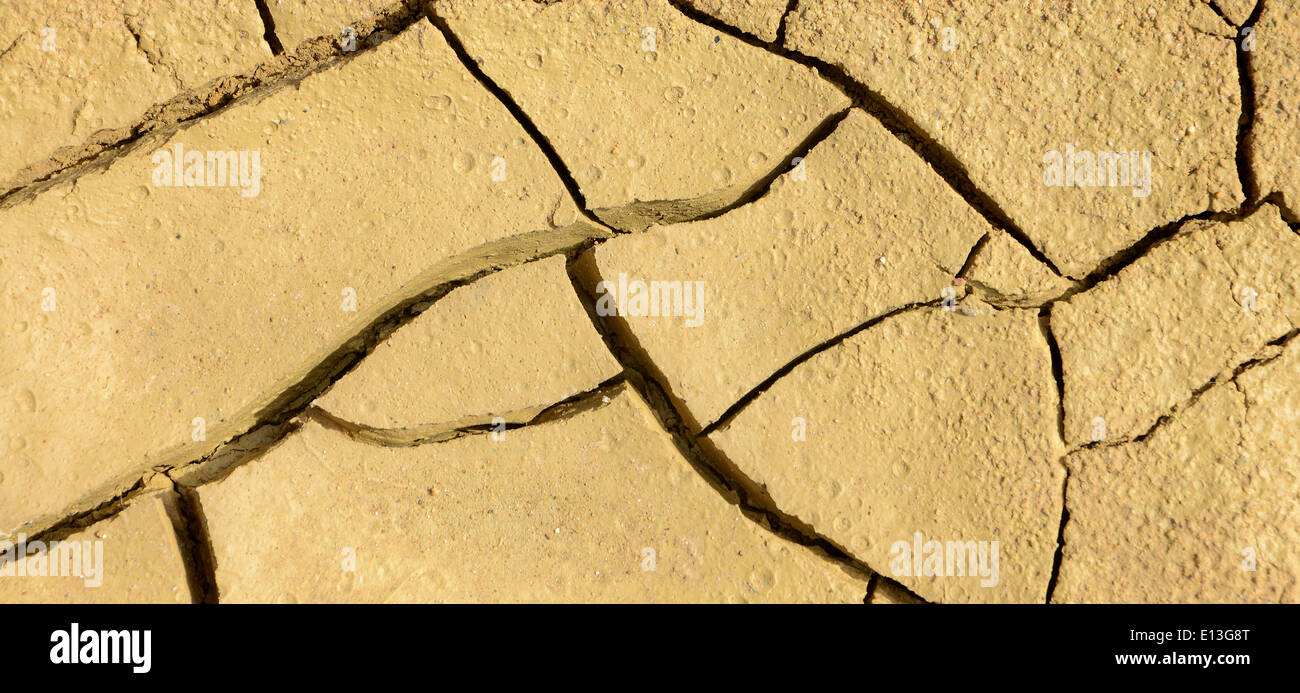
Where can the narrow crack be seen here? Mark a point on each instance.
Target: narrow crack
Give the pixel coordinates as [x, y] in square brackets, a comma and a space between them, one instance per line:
[196, 545]
[894, 592]
[275, 421]
[1217, 10]
[277, 416]
[942, 161]
[570, 183]
[947, 166]
[785, 16]
[757, 391]
[1123, 258]
[1246, 122]
[1058, 368]
[762, 186]
[872, 584]
[720, 473]
[1059, 555]
[1058, 375]
[475, 425]
[295, 399]
[268, 21]
[1280, 343]
[14, 44]
[1291, 217]
[288, 69]
[638, 215]
[1002, 301]
[151, 483]
[238, 451]
[75, 522]
[970, 257]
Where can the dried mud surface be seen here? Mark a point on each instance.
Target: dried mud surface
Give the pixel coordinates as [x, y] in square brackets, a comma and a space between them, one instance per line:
[649, 301]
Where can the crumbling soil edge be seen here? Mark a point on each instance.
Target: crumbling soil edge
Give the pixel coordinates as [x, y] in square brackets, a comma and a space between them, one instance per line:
[286, 69]
[274, 420]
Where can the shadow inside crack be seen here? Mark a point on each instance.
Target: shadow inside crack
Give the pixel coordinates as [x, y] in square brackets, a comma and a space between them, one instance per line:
[477, 424]
[639, 216]
[106, 145]
[899, 123]
[1270, 352]
[721, 474]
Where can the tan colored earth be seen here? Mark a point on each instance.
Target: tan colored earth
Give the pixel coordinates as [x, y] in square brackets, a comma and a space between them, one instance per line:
[649, 301]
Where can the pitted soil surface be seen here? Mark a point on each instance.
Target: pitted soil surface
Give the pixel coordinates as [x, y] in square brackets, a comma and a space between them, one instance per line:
[649, 301]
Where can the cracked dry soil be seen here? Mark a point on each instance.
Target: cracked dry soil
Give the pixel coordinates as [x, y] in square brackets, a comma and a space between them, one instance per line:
[650, 301]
